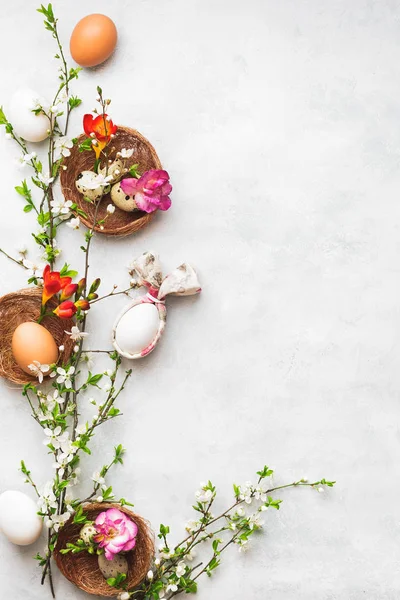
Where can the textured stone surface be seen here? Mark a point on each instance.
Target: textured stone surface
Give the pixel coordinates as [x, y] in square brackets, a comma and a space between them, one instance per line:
[279, 125]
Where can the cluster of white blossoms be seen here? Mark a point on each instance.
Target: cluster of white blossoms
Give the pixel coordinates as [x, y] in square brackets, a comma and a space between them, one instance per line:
[35, 269]
[248, 492]
[61, 208]
[125, 153]
[63, 375]
[26, 158]
[62, 146]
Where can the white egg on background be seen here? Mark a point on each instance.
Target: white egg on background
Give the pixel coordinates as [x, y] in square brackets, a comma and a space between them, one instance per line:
[19, 520]
[31, 127]
[137, 328]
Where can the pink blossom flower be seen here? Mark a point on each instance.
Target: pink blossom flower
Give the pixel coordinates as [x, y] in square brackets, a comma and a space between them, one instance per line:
[116, 532]
[151, 191]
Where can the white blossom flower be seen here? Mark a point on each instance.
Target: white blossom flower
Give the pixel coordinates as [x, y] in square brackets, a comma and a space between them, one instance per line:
[91, 183]
[109, 372]
[45, 179]
[107, 387]
[320, 489]
[51, 400]
[62, 462]
[81, 429]
[74, 477]
[61, 348]
[124, 596]
[180, 568]
[76, 334]
[74, 223]
[35, 269]
[111, 209]
[172, 587]
[62, 145]
[125, 153]
[246, 492]
[64, 375]
[204, 495]
[87, 358]
[240, 512]
[243, 545]
[99, 499]
[157, 562]
[150, 575]
[99, 480]
[191, 555]
[191, 525]
[255, 521]
[55, 437]
[39, 370]
[61, 208]
[8, 136]
[57, 521]
[26, 158]
[47, 498]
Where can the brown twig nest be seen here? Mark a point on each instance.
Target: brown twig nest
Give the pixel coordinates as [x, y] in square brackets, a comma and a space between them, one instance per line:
[20, 307]
[82, 569]
[120, 223]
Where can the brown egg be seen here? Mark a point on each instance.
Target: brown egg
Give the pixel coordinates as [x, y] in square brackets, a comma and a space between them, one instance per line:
[31, 342]
[93, 40]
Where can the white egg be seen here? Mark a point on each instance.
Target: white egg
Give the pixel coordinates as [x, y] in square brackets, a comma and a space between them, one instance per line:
[31, 127]
[19, 520]
[137, 328]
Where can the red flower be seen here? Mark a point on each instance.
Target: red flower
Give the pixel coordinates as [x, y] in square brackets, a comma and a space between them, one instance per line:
[101, 126]
[66, 310]
[52, 283]
[68, 291]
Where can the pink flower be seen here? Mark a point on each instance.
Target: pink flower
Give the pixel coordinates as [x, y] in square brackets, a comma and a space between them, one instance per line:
[151, 191]
[116, 532]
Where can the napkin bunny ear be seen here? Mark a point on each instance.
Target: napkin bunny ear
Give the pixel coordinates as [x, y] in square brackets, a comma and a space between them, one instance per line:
[182, 281]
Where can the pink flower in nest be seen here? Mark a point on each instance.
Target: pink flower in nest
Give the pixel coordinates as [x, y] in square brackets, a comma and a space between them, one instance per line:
[116, 532]
[151, 190]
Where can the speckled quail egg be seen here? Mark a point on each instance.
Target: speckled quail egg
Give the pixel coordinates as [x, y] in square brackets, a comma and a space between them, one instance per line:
[116, 171]
[87, 532]
[123, 201]
[86, 185]
[111, 568]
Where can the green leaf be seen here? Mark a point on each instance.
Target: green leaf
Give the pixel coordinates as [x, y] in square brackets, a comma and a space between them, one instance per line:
[94, 379]
[134, 171]
[74, 101]
[3, 118]
[85, 145]
[67, 272]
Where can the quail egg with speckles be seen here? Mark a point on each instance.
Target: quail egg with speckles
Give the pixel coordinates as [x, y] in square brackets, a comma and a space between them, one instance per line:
[123, 201]
[87, 185]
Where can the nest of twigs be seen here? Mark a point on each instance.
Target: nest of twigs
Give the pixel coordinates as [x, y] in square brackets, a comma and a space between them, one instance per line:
[82, 569]
[20, 307]
[120, 223]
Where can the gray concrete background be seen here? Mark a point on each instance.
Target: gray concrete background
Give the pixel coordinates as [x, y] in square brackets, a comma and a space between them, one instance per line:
[279, 124]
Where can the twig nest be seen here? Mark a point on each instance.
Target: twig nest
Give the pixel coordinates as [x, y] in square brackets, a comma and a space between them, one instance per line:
[115, 171]
[83, 568]
[87, 186]
[111, 568]
[123, 201]
[121, 222]
[21, 307]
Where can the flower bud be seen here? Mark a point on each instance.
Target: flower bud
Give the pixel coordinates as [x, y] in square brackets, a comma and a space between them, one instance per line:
[68, 291]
